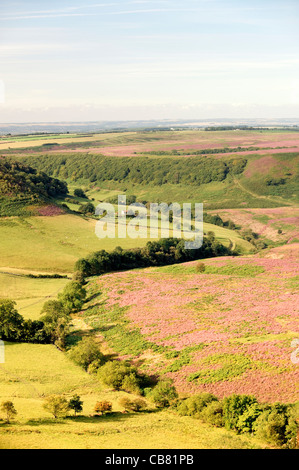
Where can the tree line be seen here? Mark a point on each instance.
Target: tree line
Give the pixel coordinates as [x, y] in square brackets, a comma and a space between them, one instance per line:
[156, 171]
[155, 253]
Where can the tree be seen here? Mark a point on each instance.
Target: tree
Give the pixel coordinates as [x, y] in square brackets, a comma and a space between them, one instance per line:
[78, 192]
[194, 405]
[76, 404]
[86, 352]
[11, 322]
[78, 276]
[8, 408]
[113, 373]
[163, 393]
[56, 405]
[56, 322]
[72, 297]
[137, 404]
[233, 407]
[87, 208]
[102, 407]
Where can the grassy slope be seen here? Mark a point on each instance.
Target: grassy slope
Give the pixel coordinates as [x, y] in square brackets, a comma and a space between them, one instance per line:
[32, 372]
[53, 244]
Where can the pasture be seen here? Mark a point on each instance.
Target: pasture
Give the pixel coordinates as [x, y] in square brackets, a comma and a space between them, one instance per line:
[32, 372]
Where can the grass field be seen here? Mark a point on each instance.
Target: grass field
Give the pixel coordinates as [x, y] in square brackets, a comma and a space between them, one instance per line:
[29, 294]
[53, 244]
[32, 372]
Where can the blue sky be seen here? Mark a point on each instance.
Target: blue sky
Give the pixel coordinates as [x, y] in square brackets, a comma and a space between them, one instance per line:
[122, 60]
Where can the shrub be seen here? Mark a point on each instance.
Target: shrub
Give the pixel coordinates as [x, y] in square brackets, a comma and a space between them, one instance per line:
[213, 413]
[133, 405]
[102, 407]
[131, 383]
[94, 366]
[87, 209]
[193, 406]
[78, 276]
[233, 407]
[272, 424]
[246, 420]
[113, 374]
[163, 394]
[72, 297]
[86, 352]
[200, 267]
[78, 192]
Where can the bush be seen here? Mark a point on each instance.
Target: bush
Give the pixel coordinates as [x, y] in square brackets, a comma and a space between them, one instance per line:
[79, 277]
[72, 297]
[194, 405]
[272, 424]
[163, 394]
[213, 413]
[102, 407]
[200, 267]
[118, 374]
[233, 407]
[86, 352]
[133, 405]
[87, 209]
[78, 192]
[131, 383]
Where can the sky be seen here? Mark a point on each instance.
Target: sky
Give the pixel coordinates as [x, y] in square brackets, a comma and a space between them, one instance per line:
[74, 60]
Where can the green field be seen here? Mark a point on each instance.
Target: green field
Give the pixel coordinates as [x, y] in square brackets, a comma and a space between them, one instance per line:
[54, 244]
[32, 372]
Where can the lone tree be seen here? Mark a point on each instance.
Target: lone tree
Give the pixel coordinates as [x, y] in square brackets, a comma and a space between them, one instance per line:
[102, 407]
[56, 405]
[8, 408]
[76, 404]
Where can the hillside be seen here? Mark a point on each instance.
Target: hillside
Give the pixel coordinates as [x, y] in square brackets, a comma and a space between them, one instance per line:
[22, 187]
[222, 169]
[200, 328]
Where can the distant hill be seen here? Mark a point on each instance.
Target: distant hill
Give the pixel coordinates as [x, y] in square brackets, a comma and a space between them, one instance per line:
[22, 186]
